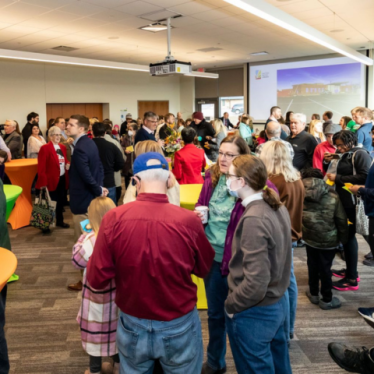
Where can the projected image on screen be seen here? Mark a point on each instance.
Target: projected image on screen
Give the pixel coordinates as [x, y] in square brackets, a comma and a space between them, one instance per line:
[316, 89]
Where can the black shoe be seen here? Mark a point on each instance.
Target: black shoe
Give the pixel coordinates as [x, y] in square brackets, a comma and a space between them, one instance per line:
[352, 359]
[367, 313]
[301, 243]
[63, 225]
[369, 256]
[46, 231]
[369, 262]
[208, 370]
[346, 285]
[291, 335]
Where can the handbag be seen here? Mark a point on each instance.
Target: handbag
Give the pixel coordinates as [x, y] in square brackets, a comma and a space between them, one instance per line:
[362, 220]
[43, 211]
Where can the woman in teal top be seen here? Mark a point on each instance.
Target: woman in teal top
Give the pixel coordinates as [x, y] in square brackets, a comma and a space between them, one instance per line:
[246, 131]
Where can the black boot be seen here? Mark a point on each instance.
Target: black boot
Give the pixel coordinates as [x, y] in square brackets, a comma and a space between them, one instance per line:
[352, 359]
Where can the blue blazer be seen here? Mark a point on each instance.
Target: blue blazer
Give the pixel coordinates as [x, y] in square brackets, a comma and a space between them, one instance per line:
[142, 135]
[86, 175]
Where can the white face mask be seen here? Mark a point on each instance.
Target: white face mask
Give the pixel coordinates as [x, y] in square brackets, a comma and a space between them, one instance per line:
[231, 192]
[130, 133]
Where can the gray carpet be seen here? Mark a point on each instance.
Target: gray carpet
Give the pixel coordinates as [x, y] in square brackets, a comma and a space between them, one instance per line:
[44, 338]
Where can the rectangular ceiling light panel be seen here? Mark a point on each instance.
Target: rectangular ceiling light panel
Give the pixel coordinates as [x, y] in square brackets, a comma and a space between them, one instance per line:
[270, 13]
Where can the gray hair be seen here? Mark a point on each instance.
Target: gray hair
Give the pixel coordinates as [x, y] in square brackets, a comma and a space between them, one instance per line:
[150, 115]
[300, 117]
[54, 130]
[11, 122]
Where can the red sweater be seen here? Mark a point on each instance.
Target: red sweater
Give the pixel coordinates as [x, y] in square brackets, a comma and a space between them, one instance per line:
[151, 248]
[319, 153]
[188, 164]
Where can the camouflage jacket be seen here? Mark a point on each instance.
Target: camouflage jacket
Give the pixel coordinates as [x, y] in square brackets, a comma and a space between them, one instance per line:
[325, 223]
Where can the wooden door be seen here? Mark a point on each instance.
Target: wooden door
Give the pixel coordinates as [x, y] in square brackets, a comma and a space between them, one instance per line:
[159, 107]
[66, 110]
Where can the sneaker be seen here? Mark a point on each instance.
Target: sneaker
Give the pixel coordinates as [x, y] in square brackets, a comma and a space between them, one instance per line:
[345, 285]
[208, 370]
[301, 243]
[341, 274]
[312, 299]
[333, 304]
[352, 359]
[369, 256]
[369, 262]
[367, 313]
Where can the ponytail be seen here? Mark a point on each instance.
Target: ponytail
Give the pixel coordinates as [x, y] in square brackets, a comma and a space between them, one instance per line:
[271, 198]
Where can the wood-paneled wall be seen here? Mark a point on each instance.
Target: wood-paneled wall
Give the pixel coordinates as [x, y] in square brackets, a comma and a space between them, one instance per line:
[66, 110]
[159, 107]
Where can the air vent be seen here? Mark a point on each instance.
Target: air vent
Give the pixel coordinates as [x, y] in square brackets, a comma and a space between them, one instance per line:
[160, 15]
[211, 49]
[64, 48]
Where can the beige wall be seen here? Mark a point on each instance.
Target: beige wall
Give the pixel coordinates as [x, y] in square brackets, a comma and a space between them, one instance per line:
[29, 86]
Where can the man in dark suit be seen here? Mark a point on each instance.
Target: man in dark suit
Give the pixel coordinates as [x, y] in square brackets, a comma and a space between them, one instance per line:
[147, 132]
[86, 175]
[32, 119]
[226, 121]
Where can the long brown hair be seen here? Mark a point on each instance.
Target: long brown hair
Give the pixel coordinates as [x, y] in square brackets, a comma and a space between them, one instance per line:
[243, 149]
[253, 171]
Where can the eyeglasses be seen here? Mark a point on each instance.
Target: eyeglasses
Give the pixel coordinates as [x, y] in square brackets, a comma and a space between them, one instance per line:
[231, 176]
[228, 156]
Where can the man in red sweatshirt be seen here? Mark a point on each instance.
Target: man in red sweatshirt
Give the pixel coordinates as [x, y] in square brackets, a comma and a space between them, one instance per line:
[151, 248]
[325, 147]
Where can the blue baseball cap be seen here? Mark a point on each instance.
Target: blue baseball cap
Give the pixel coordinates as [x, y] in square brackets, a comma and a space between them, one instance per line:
[141, 161]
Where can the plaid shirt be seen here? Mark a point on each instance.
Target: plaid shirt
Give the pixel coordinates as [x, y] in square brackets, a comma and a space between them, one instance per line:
[98, 315]
[288, 146]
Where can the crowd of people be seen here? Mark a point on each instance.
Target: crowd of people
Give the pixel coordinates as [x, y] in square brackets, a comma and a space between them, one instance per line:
[263, 195]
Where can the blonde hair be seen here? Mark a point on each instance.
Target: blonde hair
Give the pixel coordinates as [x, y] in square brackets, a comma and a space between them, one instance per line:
[277, 159]
[152, 146]
[97, 210]
[312, 125]
[93, 120]
[219, 127]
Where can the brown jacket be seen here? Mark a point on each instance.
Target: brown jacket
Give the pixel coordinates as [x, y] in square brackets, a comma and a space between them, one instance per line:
[291, 195]
[260, 265]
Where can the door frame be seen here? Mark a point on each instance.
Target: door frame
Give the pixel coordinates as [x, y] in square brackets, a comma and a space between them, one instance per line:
[213, 100]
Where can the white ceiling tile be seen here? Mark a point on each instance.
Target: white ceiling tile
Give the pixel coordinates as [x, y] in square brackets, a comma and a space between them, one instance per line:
[82, 9]
[18, 12]
[190, 8]
[109, 3]
[49, 3]
[167, 3]
[212, 15]
[137, 8]
[4, 3]
[110, 16]
[51, 19]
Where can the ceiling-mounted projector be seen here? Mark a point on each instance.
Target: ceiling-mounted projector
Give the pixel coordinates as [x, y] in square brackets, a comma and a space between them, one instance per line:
[170, 65]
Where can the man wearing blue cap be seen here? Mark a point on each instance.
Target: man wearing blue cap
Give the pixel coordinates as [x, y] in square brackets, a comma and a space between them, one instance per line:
[151, 248]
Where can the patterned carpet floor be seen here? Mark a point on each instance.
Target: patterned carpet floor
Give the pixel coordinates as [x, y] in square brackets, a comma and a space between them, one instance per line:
[44, 338]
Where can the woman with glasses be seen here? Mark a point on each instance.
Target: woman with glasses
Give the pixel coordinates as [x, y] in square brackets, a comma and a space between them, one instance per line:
[52, 172]
[225, 210]
[353, 167]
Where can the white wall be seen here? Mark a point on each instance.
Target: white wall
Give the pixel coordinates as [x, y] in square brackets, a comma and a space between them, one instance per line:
[29, 86]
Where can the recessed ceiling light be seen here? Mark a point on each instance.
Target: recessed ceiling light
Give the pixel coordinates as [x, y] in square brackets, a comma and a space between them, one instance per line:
[155, 27]
[337, 30]
[259, 53]
[113, 37]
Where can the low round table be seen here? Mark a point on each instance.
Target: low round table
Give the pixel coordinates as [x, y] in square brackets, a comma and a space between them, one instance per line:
[11, 194]
[189, 194]
[8, 264]
[22, 173]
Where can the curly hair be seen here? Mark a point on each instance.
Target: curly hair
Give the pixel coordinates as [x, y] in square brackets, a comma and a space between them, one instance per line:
[348, 138]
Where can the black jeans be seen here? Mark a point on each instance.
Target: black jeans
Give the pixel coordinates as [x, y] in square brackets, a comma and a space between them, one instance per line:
[59, 195]
[4, 360]
[95, 363]
[370, 238]
[319, 268]
[351, 247]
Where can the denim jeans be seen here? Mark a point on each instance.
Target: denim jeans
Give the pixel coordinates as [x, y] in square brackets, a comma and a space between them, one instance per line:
[216, 289]
[112, 194]
[258, 339]
[177, 344]
[291, 295]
